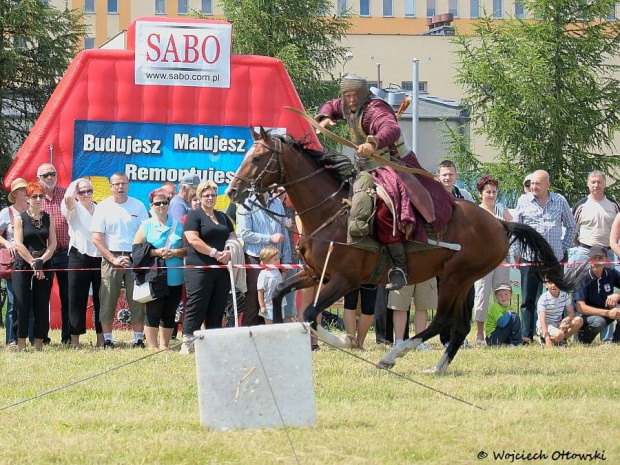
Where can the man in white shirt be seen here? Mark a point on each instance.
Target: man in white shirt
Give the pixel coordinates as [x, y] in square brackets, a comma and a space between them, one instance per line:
[115, 223]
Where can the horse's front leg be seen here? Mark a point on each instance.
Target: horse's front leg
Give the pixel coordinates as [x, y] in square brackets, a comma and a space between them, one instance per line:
[298, 281]
[332, 291]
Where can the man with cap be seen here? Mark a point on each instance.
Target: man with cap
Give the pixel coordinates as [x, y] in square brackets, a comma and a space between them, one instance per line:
[527, 182]
[179, 205]
[374, 128]
[595, 299]
[48, 178]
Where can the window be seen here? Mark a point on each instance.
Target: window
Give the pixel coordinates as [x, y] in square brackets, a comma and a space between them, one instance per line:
[112, 6]
[498, 9]
[182, 7]
[207, 7]
[364, 7]
[519, 10]
[341, 6]
[388, 8]
[612, 14]
[89, 42]
[430, 8]
[160, 7]
[453, 8]
[89, 6]
[407, 86]
[409, 8]
[474, 9]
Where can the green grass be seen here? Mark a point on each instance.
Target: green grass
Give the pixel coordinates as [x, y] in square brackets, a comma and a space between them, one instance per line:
[147, 412]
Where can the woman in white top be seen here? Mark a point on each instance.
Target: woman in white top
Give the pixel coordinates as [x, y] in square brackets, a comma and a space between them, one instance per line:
[84, 258]
[488, 187]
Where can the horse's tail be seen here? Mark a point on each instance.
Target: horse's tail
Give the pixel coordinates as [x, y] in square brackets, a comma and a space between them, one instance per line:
[546, 265]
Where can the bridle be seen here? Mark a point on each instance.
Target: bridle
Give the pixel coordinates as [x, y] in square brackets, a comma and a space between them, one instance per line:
[275, 163]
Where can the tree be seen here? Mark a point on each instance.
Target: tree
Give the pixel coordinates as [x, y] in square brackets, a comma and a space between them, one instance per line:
[37, 42]
[544, 91]
[303, 34]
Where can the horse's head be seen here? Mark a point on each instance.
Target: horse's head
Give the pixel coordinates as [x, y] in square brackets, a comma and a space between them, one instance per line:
[260, 169]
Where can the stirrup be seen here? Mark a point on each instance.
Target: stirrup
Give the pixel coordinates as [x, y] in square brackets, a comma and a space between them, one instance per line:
[396, 283]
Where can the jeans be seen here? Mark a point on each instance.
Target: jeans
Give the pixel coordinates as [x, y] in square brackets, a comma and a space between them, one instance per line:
[509, 334]
[11, 334]
[531, 289]
[592, 326]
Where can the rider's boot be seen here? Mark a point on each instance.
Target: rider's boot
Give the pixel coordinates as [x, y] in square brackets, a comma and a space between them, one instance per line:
[398, 274]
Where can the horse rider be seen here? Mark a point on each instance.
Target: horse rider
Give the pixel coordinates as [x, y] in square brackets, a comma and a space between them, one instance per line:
[373, 126]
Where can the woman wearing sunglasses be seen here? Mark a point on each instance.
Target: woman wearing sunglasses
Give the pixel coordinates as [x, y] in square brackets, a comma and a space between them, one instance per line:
[84, 258]
[160, 238]
[35, 241]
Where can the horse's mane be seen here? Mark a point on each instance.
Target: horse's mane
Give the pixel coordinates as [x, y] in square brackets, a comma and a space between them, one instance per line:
[338, 165]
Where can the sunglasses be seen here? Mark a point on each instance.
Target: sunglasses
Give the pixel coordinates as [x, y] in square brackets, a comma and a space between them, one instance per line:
[526, 184]
[37, 196]
[85, 192]
[51, 174]
[160, 203]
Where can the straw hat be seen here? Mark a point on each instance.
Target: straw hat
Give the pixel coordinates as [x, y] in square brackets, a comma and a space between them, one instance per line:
[17, 183]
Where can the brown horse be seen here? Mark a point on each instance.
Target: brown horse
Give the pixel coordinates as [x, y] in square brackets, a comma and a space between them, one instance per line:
[317, 193]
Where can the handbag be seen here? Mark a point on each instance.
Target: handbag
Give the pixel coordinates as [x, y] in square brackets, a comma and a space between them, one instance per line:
[143, 293]
[6, 260]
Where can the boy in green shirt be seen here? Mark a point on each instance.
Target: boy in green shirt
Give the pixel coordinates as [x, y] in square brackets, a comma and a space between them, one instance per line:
[503, 325]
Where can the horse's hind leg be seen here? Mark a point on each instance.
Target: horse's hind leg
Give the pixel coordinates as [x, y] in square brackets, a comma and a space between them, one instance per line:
[295, 282]
[400, 349]
[460, 328]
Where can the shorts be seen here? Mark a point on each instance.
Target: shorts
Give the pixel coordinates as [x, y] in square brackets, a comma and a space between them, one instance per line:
[551, 329]
[424, 296]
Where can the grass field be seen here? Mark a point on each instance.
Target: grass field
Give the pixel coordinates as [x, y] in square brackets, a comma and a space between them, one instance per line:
[531, 400]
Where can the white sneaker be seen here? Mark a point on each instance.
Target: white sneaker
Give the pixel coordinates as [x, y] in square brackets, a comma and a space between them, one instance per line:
[424, 346]
[481, 342]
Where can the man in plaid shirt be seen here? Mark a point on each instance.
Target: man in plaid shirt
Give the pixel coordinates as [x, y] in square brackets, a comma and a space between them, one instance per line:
[48, 177]
[546, 212]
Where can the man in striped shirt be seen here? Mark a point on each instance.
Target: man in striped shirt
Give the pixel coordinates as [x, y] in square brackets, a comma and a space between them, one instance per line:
[546, 212]
[553, 327]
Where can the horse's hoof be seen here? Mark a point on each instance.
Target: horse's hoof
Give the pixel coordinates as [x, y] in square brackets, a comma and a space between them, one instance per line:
[432, 371]
[349, 342]
[385, 365]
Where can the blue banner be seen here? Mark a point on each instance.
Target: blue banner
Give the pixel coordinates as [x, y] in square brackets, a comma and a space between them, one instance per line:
[151, 154]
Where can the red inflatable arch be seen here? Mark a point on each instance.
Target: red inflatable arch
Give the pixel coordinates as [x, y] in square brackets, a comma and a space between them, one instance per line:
[99, 85]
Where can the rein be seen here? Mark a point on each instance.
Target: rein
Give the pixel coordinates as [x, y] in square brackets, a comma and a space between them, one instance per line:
[276, 160]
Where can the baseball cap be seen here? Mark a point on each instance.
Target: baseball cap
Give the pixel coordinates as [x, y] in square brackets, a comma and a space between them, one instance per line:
[527, 180]
[190, 179]
[503, 287]
[597, 251]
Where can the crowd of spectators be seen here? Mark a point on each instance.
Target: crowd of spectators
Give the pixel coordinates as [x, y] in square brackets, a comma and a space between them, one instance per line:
[102, 248]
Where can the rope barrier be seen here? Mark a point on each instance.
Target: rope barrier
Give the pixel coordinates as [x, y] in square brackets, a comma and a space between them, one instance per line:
[399, 375]
[93, 376]
[282, 267]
